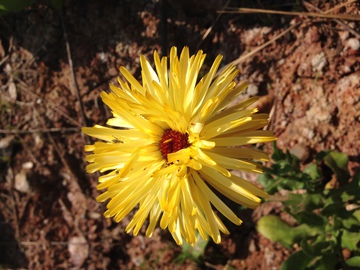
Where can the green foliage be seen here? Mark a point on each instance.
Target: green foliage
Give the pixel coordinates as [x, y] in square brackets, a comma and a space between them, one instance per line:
[327, 211]
[285, 234]
[193, 253]
[14, 5]
[7, 6]
[285, 173]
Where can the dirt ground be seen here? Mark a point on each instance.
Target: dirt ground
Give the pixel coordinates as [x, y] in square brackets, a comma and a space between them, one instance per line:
[55, 62]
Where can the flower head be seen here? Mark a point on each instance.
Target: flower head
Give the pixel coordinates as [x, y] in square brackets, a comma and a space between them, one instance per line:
[172, 144]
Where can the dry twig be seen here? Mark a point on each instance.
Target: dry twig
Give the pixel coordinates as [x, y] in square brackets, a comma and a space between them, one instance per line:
[48, 103]
[348, 28]
[73, 76]
[259, 48]
[208, 31]
[326, 15]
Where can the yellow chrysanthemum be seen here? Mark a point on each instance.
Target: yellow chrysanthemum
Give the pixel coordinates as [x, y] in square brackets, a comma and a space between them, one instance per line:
[173, 144]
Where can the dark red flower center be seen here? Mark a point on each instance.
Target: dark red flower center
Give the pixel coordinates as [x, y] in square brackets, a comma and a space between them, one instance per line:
[173, 141]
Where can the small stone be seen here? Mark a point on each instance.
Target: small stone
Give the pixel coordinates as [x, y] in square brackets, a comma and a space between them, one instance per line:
[318, 62]
[252, 90]
[12, 91]
[353, 44]
[78, 249]
[300, 151]
[21, 182]
[27, 165]
[94, 215]
[308, 133]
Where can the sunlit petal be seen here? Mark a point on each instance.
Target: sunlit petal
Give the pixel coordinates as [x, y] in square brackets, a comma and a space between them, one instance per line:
[172, 143]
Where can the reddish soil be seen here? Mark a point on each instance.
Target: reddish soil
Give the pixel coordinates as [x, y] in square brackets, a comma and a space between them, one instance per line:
[54, 64]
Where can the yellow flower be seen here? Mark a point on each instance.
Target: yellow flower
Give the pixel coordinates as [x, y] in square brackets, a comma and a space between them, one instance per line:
[172, 144]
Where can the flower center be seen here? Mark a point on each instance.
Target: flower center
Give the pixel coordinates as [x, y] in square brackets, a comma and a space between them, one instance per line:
[173, 141]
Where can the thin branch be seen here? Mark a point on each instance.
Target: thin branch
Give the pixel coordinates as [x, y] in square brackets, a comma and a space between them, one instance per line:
[73, 185]
[4, 60]
[352, 31]
[48, 103]
[340, 6]
[17, 102]
[208, 31]
[259, 48]
[73, 76]
[348, 17]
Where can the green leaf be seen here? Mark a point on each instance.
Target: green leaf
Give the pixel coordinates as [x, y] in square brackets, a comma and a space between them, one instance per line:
[351, 219]
[318, 246]
[303, 202]
[272, 185]
[199, 248]
[307, 246]
[314, 171]
[350, 240]
[298, 260]
[310, 218]
[353, 261]
[292, 159]
[338, 163]
[332, 209]
[277, 154]
[324, 263]
[287, 183]
[284, 167]
[265, 180]
[355, 184]
[321, 155]
[14, 5]
[193, 253]
[346, 193]
[275, 229]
